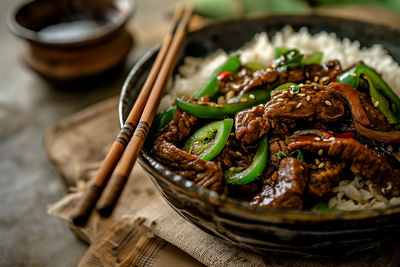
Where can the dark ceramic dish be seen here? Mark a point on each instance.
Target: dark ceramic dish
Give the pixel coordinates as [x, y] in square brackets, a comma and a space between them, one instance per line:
[261, 229]
[64, 38]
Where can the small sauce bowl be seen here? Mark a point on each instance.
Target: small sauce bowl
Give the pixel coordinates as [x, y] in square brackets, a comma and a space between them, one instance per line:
[68, 40]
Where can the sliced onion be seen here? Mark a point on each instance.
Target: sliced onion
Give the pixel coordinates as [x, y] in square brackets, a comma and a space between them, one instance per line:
[352, 98]
[392, 137]
[319, 133]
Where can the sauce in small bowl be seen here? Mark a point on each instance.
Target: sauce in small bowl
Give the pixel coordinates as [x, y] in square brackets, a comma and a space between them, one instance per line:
[65, 37]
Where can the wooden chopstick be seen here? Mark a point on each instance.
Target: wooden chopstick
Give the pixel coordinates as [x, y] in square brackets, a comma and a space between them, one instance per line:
[88, 200]
[114, 188]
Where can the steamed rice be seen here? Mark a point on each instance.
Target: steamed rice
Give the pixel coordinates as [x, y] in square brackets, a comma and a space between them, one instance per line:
[350, 194]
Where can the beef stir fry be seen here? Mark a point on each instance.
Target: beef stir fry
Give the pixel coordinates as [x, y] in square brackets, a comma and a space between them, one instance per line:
[284, 134]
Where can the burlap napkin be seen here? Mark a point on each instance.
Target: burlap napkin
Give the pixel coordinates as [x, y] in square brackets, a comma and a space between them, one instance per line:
[144, 230]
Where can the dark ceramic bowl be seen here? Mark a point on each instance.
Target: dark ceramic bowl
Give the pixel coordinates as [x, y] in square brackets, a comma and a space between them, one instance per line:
[64, 38]
[267, 230]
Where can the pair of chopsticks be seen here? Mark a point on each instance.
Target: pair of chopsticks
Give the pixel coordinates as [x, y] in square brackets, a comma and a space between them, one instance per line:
[119, 161]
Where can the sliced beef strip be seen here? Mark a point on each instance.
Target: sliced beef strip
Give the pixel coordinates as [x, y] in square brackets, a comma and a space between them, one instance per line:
[244, 80]
[323, 177]
[276, 145]
[325, 73]
[312, 103]
[207, 174]
[281, 113]
[235, 154]
[285, 188]
[296, 76]
[250, 124]
[179, 128]
[363, 161]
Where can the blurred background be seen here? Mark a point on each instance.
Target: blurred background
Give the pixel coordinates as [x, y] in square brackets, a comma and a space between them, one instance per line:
[40, 84]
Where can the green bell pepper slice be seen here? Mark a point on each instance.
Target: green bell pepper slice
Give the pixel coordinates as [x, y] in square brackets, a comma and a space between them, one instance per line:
[286, 59]
[210, 87]
[389, 101]
[221, 111]
[314, 58]
[162, 119]
[254, 170]
[382, 103]
[255, 66]
[281, 51]
[290, 60]
[209, 140]
[282, 87]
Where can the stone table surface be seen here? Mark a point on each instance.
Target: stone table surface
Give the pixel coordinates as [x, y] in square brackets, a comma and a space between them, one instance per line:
[28, 106]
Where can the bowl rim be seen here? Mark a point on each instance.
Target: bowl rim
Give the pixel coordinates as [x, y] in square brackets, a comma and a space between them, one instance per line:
[32, 36]
[214, 199]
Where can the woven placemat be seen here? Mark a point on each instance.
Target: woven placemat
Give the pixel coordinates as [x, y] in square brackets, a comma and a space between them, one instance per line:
[144, 230]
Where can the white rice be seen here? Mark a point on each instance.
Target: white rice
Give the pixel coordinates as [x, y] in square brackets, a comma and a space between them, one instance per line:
[350, 194]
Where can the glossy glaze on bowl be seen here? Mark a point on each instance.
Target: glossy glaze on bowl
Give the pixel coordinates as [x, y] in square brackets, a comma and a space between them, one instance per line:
[261, 229]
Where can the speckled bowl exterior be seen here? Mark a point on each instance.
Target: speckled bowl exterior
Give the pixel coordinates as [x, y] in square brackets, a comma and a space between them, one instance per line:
[265, 230]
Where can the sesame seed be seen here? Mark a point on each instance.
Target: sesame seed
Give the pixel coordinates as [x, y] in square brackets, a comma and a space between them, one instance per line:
[317, 139]
[308, 81]
[283, 58]
[280, 99]
[354, 74]
[321, 165]
[251, 96]
[317, 161]
[376, 104]
[274, 65]
[324, 79]
[316, 78]
[390, 148]
[320, 152]
[238, 153]
[292, 53]
[328, 103]
[329, 139]
[301, 94]
[229, 95]
[307, 74]
[232, 169]
[308, 98]
[243, 100]
[299, 105]
[269, 69]
[301, 85]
